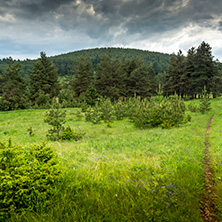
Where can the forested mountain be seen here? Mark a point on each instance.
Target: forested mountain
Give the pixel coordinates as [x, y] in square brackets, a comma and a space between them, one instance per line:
[64, 62]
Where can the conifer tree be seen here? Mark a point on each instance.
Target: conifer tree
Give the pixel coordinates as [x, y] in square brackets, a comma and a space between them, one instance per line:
[144, 80]
[44, 83]
[204, 70]
[83, 76]
[173, 79]
[14, 94]
[187, 79]
[107, 80]
[217, 79]
[55, 117]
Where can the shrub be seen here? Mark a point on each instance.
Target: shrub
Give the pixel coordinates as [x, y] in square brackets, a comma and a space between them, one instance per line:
[94, 114]
[108, 113]
[56, 118]
[120, 109]
[193, 108]
[166, 112]
[205, 104]
[28, 175]
[69, 134]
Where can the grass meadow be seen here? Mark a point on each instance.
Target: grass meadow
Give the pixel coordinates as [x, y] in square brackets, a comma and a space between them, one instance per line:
[124, 173]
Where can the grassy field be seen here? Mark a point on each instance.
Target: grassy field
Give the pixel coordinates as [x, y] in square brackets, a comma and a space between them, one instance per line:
[124, 173]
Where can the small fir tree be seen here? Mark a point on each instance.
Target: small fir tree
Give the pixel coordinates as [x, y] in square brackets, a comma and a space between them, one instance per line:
[205, 104]
[56, 118]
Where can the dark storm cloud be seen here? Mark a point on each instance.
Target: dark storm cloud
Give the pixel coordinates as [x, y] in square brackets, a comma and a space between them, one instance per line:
[107, 22]
[141, 16]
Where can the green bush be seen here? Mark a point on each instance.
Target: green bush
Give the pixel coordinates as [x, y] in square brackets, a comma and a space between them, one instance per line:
[120, 109]
[193, 108]
[69, 134]
[205, 104]
[55, 117]
[166, 112]
[108, 113]
[94, 114]
[28, 175]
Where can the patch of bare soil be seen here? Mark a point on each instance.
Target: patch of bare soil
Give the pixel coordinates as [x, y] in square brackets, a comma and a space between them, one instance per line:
[208, 211]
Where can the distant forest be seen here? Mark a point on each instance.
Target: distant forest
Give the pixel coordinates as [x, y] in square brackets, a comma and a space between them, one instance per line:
[85, 77]
[64, 62]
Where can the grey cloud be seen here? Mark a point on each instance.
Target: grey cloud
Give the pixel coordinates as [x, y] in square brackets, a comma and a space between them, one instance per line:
[107, 21]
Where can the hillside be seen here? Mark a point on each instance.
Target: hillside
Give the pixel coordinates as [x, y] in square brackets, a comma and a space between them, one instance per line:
[64, 62]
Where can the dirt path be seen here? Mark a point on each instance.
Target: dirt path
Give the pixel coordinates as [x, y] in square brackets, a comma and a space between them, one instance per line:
[208, 211]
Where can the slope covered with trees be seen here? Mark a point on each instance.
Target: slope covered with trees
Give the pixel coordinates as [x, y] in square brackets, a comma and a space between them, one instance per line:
[64, 62]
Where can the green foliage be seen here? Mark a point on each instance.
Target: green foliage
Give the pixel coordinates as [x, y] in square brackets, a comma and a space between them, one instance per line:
[188, 76]
[13, 88]
[92, 97]
[55, 117]
[205, 104]
[193, 107]
[28, 175]
[94, 114]
[108, 78]
[108, 113]
[166, 112]
[69, 134]
[187, 118]
[120, 108]
[83, 76]
[79, 115]
[43, 81]
[64, 62]
[173, 80]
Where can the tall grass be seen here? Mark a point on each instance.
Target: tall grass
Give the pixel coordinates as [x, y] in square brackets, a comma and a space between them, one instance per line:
[120, 173]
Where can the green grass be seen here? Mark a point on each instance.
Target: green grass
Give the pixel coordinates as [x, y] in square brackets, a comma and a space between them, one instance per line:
[215, 140]
[122, 173]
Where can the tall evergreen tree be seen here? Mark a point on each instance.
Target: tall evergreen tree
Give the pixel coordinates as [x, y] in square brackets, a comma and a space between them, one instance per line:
[173, 79]
[83, 76]
[14, 94]
[204, 69]
[144, 80]
[107, 80]
[136, 78]
[217, 79]
[188, 82]
[44, 82]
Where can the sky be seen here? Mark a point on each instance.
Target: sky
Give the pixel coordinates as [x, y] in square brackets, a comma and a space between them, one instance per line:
[28, 27]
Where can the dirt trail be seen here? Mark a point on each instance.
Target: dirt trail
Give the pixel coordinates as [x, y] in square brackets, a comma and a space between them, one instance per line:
[208, 211]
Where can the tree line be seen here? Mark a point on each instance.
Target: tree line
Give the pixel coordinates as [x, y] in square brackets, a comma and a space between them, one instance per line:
[64, 62]
[113, 78]
[187, 76]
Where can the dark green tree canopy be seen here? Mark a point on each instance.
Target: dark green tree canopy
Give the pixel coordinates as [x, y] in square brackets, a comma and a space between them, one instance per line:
[13, 90]
[43, 79]
[83, 76]
[188, 76]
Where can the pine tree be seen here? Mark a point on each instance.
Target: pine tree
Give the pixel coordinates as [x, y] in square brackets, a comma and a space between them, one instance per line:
[107, 80]
[187, 79]
[83, 76]
[144, 80]
[14, 94]
[173, 79]
[55, 117]
[202, 77]
[205, 104]
[43, 80]
[136, 78]
[217, 80]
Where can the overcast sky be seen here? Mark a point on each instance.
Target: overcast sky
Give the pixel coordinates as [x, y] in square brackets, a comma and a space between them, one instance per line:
[28, 27]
